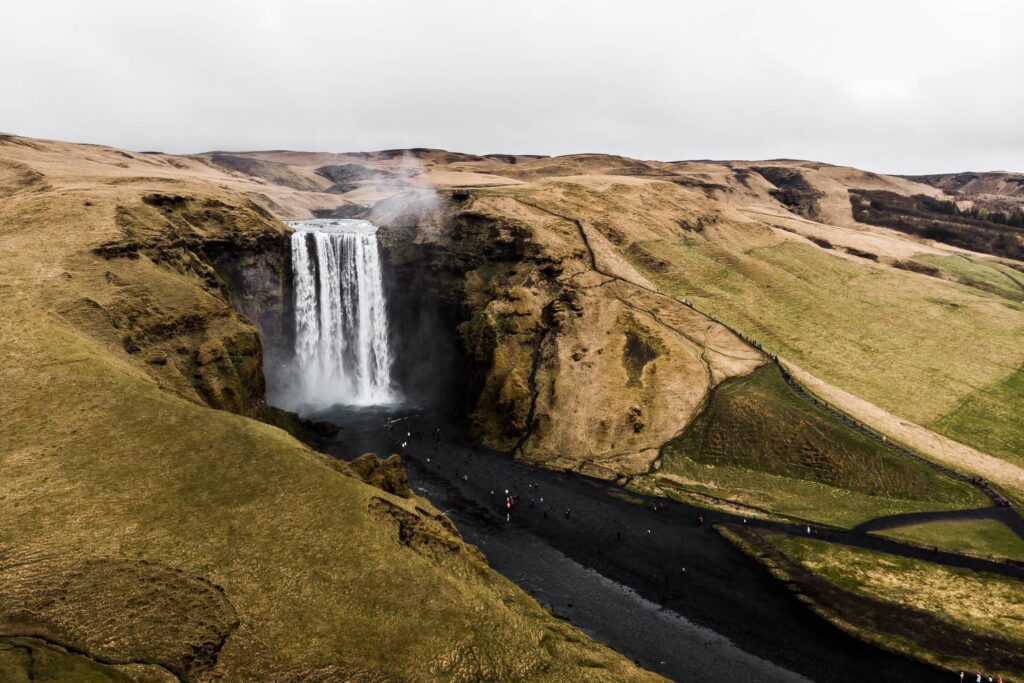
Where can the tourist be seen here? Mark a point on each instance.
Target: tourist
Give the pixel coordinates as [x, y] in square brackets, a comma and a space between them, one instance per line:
[700, 520]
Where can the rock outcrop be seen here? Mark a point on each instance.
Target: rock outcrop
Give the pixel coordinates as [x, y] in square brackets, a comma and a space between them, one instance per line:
[387, 474]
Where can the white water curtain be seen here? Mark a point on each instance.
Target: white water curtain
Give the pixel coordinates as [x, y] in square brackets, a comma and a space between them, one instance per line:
[341, 328]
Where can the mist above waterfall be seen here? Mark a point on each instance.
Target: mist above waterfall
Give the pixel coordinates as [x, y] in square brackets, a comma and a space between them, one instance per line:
[342, 353]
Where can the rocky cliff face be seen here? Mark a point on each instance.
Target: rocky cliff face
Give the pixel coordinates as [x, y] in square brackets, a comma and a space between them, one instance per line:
[569, 357]
[207, 253]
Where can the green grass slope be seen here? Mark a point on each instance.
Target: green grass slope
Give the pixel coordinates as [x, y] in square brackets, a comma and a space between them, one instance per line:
[987, 538]
[957, 619]
[917, 346]
[991, 418]
[758, 444]
[978, 273]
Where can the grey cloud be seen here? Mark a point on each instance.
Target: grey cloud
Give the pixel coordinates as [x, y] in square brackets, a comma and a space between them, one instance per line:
[909, 87]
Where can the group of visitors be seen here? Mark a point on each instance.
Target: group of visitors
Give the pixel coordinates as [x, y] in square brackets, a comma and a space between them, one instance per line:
[979, 678]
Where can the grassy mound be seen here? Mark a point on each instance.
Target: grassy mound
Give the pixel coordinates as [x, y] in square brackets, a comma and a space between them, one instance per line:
[758, 443]
[976, 272]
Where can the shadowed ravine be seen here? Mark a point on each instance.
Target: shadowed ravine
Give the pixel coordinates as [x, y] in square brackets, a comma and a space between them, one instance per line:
[723, 618]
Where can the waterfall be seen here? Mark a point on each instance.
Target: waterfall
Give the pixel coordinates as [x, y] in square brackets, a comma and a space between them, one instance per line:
[341, 327]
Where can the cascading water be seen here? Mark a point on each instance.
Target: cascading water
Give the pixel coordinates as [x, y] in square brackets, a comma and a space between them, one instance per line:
[341, 328]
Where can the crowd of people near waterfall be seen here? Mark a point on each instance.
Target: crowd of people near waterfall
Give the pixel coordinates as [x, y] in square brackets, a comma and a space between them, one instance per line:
[508, 502]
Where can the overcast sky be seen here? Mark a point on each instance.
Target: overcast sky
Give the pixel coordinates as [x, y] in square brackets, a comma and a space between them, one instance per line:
[896, 86]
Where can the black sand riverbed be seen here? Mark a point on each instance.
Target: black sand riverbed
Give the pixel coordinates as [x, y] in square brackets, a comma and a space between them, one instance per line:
[653, 584]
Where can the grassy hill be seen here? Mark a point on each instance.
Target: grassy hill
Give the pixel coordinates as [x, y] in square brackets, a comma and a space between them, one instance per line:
[758, 444]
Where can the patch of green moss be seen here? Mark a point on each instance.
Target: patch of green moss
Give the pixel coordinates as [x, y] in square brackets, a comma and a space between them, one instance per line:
[641, 349]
